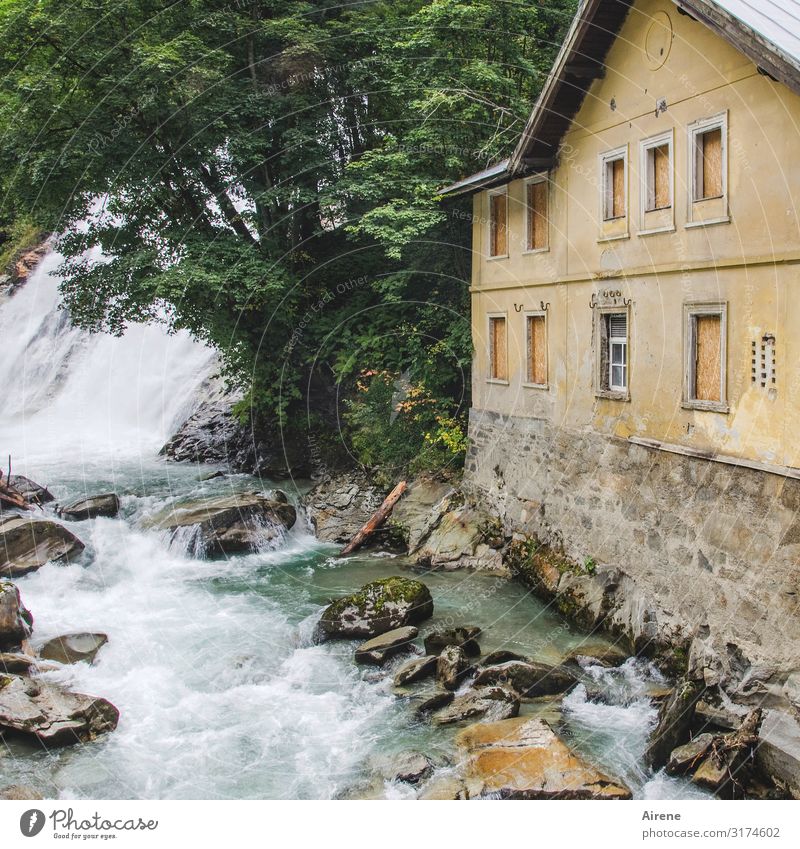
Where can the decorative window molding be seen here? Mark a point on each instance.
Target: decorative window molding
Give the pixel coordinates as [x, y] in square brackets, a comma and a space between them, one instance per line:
[537, 214]
[612, 325]
[707, 179]
[705, 378]
[536, 350]
[497, 336]
[657, 184]
[497, 223]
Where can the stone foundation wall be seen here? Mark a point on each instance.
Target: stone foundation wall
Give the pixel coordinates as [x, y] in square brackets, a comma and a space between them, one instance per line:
[702, 551]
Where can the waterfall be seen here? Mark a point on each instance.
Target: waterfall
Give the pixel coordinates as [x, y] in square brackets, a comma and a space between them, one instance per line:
[68, 394]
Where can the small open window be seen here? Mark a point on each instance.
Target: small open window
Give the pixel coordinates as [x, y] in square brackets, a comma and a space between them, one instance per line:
[537, 214]
[498, 348]
[705, 344]
[613, 363]
[536, 347]
[498, 224]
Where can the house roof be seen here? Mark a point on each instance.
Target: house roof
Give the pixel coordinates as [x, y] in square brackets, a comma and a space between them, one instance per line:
[766, 31]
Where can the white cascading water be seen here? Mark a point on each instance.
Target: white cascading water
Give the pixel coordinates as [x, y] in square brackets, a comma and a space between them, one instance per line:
[221, 690]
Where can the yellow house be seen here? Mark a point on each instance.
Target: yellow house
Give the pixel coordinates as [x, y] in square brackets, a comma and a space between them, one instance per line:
[635, 300]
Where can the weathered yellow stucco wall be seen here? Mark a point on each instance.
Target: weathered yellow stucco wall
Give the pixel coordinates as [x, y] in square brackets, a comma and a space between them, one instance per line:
[750, 261]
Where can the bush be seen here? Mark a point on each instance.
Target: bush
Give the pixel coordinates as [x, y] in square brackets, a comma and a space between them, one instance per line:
[397, 426]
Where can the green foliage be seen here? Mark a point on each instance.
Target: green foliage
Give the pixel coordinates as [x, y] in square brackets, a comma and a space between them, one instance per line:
[265, 175]
[589, 565]
[399, 426]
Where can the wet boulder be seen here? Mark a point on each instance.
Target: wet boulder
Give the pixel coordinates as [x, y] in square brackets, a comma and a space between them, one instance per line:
[377, 607]
[27, 544]
[15, 620]
[501, 656]
[16, 663]
[106, 505]
[32, 491]
[674, 723]
[415, 670]
[451, 667]
[524, 758]
[433, 703]
[464, 638]
[408, 767]
[489, 703]
[229, 525]
[528, 678]
[686, 758]
[597, 654]
[379, 649]
[73, 648]
[52, 715]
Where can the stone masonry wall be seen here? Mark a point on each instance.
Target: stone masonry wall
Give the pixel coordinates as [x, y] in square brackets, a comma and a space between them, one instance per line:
[704, 551]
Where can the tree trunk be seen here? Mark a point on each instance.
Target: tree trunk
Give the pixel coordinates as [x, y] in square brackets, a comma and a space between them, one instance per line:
[376, 521]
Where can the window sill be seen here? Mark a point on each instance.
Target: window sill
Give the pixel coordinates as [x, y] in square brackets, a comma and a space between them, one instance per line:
[706, 406]
[653, 230]
[614, 238]
[725, 219]
[536, 251]
[497, 381]
[612, 395]
[536, 385]
[499, 256]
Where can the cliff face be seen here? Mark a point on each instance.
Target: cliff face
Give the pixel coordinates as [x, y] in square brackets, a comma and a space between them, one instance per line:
[679, 554]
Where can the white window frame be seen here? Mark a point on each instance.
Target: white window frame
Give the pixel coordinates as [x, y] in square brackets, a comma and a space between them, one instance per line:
[537, 178]
[489, 195]
[609, 391]
[622, 341]
[695, 130]
[645, 146]
[605, 160]
[528, 383]
[690, 313]
[490, 342]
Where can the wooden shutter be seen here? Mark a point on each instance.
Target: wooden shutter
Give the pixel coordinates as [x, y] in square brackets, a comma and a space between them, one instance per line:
[661, 198]
[708, 342]
[618, 188]
[711, 145]
[537, 216]
[497, 328]
[537, 350]
[498, 219]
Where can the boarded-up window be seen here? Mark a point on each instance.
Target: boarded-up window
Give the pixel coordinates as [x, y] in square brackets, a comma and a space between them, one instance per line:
[708, 171]
[707, 357]
[614, 188]
[498, 225]
[658, 178]
[497, 348]
[537, 350]
[537, 216]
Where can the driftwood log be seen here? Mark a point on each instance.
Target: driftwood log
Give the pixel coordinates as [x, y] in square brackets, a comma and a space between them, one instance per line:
[11, 497]
[378, 518]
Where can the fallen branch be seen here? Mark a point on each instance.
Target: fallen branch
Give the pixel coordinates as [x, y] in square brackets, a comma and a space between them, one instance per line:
[376, 521]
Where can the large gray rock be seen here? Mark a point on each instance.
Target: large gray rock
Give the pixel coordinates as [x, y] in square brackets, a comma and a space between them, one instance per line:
[489, 703]
[91, 507]
[457, 541]
[527, 678]
[415, 670]
[687, 758]
[379, 649]
[525, 759]
[32, 491]
[778, 750]
[674, 723]
[228, 525]
[15, 620]
[27, 544]
[377, 607]
[451, 666]
[73, 648]
[53, 716]
[338, 506]
[421, 509]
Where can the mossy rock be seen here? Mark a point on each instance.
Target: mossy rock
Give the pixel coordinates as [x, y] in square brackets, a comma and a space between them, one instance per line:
[378, 607]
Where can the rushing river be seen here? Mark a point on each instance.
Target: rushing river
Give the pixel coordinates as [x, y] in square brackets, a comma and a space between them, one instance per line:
[221, 690]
